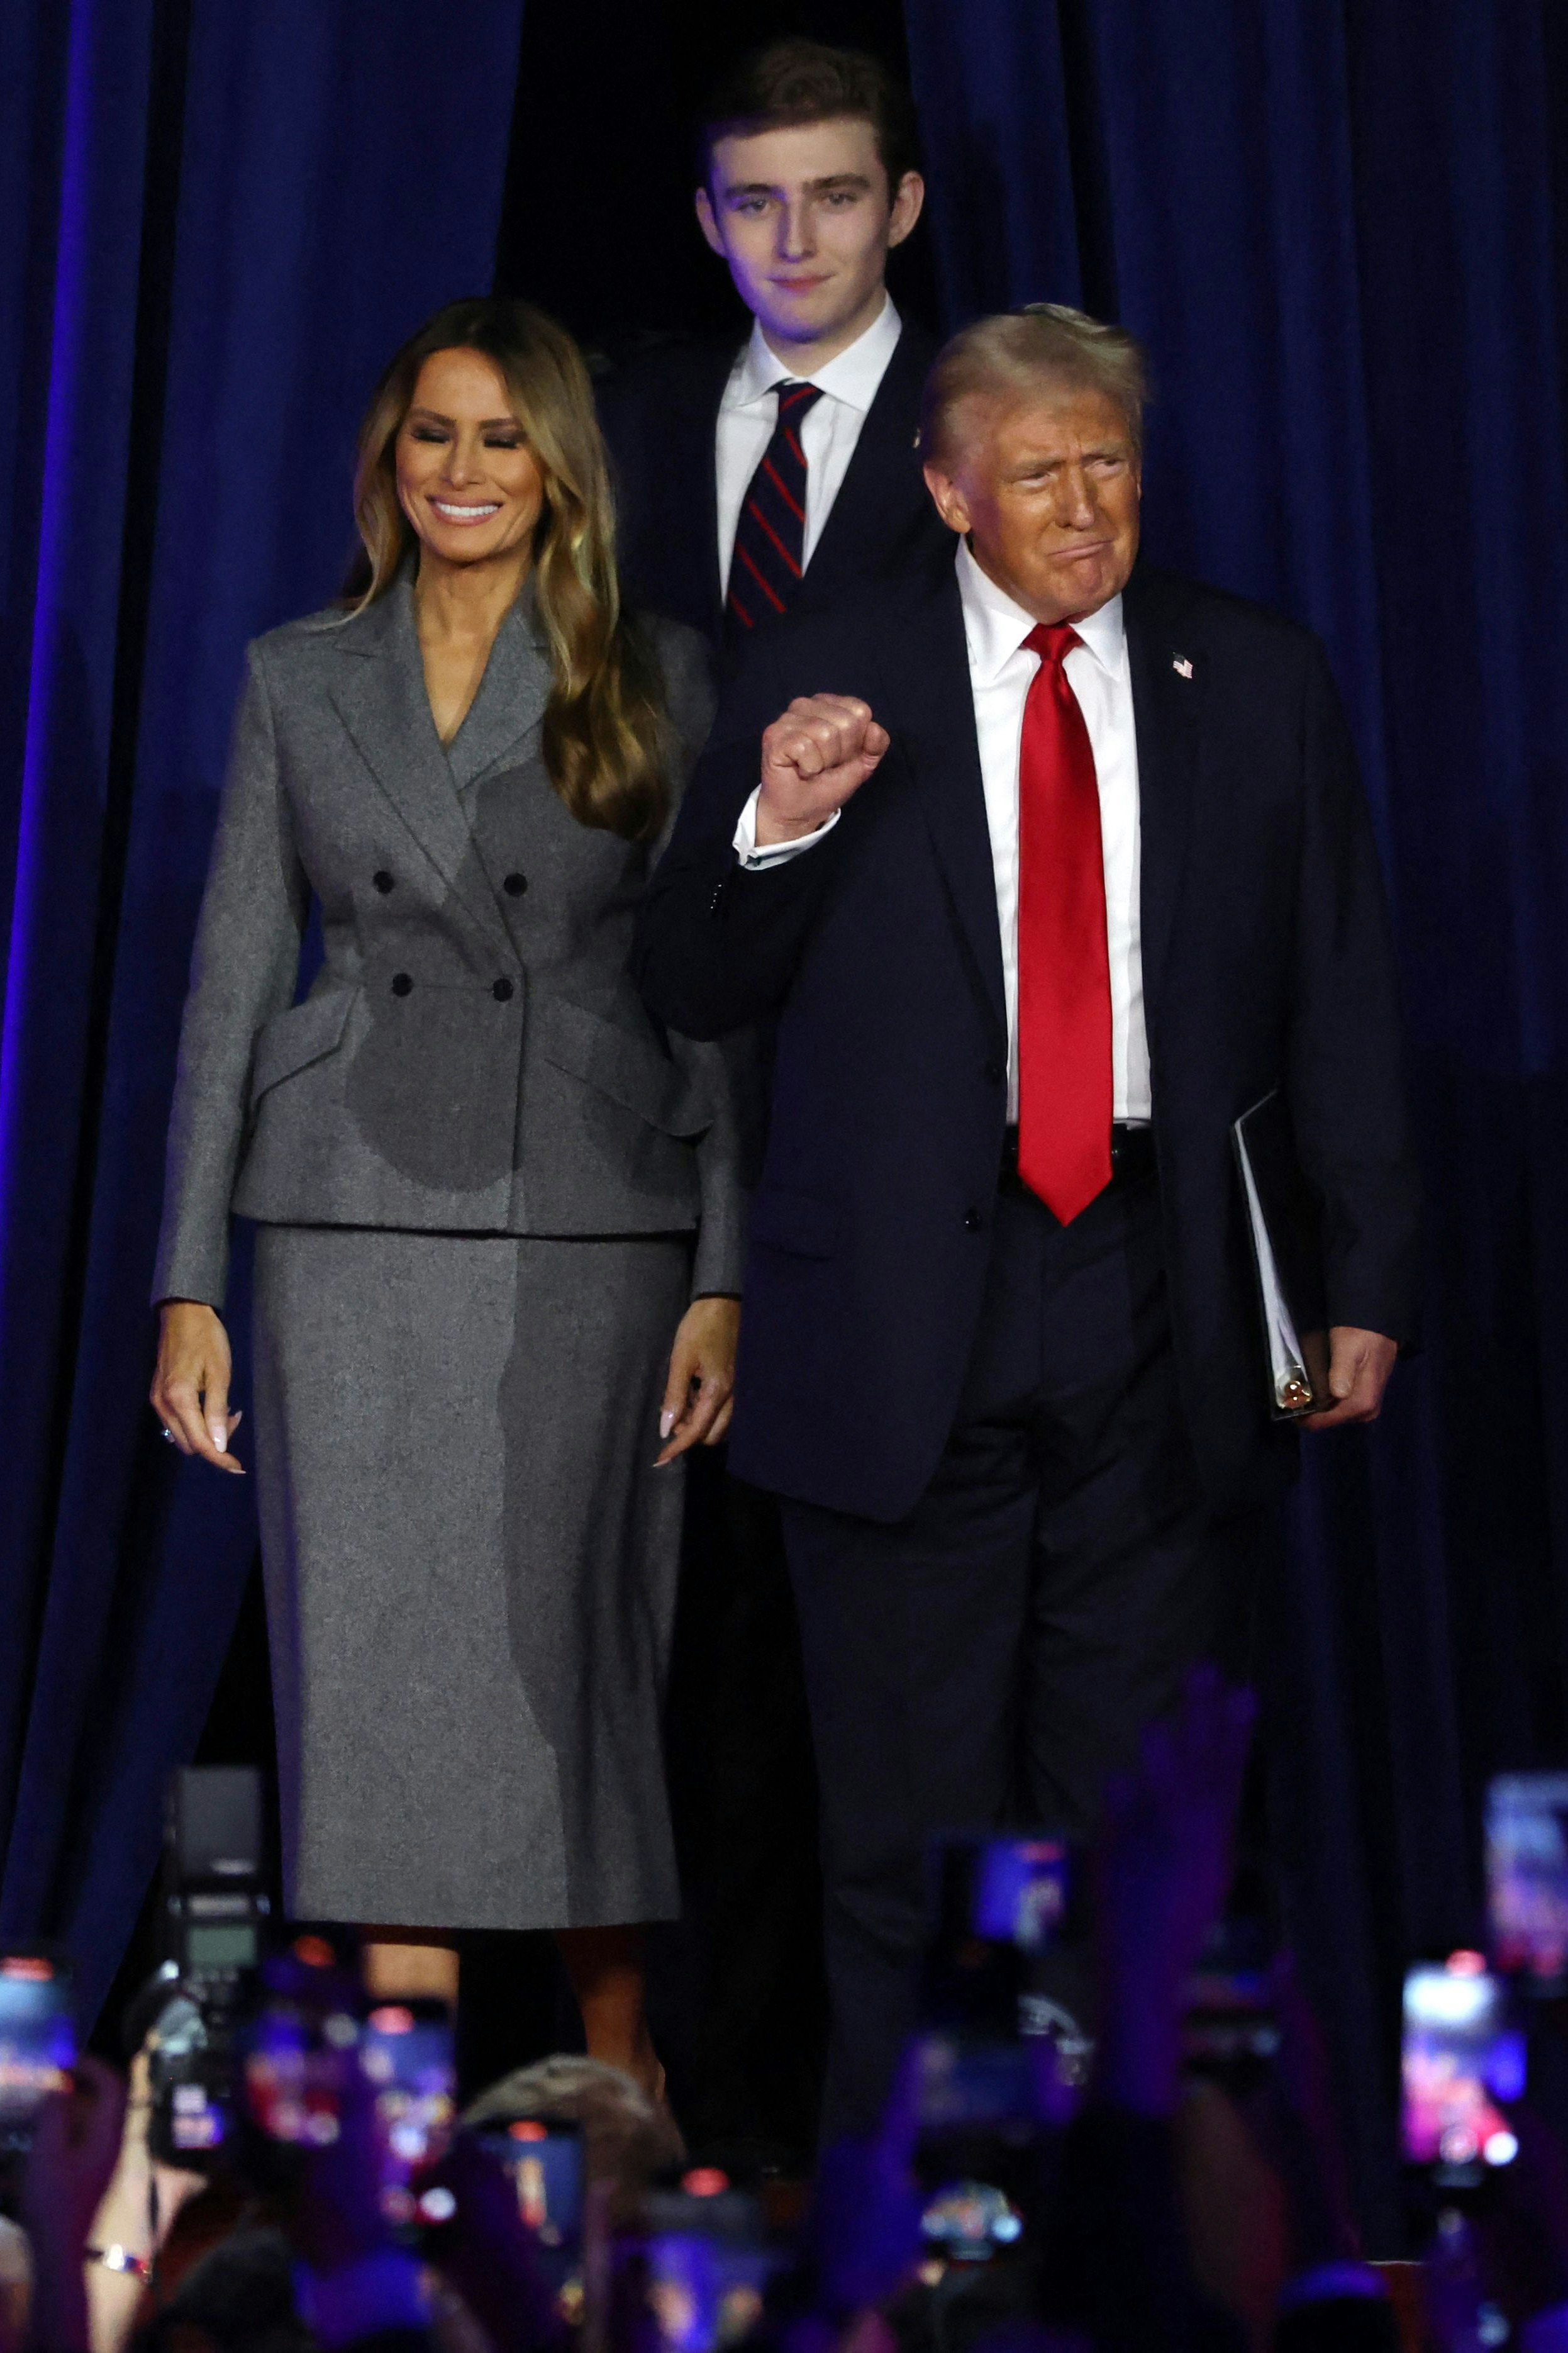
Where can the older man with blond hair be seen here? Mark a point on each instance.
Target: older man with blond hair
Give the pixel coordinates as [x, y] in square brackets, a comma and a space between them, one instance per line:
[1046, 867]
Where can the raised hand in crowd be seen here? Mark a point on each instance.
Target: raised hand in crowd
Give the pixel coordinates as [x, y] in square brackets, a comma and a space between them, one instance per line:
[486, 2254]
[140, 2211]
[1163, 1870]
[76, 2147]
[865, 2228]
[1507, 2260]
[1266, 2198]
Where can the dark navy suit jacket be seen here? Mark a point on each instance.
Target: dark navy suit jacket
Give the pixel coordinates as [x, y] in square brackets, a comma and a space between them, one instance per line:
[1266, 963]
[660, 415]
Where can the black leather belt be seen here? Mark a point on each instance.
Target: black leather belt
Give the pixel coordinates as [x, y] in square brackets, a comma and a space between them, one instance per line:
[1131, 1155]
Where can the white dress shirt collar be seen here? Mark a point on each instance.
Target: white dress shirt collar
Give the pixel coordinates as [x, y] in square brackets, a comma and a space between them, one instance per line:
[995, 627]
[854, 378]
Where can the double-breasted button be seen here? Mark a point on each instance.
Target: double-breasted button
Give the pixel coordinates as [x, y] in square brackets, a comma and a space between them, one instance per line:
[972, 1222]
[515, 885]
[501, 990]
[994, 1072]
[402, 982]
[383, 880]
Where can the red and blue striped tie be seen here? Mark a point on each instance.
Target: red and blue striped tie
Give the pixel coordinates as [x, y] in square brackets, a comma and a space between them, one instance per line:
[769, 537]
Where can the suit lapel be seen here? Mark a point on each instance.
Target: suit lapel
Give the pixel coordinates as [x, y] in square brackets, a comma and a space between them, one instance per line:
[934, 703]
[380, 696]
[511, 697]
[881, 487]
[1167, 674]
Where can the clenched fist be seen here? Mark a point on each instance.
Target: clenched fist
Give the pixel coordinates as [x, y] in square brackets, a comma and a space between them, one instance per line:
[813, 758]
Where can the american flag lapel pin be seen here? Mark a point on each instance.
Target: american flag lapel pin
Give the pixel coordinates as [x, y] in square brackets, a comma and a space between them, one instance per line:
[1182, 665]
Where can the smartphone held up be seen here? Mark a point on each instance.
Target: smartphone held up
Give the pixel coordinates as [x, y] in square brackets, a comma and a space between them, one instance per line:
[38, 2039]
[1527, 1879]
[1462, 2059]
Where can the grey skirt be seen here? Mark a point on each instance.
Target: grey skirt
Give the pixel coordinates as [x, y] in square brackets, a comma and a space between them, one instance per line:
[470, 1567]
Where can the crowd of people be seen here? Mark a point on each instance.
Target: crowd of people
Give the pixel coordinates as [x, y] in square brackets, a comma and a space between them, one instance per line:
[1155, 2204]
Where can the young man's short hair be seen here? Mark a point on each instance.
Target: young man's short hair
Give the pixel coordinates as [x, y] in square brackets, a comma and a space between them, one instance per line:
[793, 82]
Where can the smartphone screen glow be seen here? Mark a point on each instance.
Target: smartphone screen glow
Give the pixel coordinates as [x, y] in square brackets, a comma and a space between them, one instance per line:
[37, 2034]
[1022, 1891]
[1527, 1876]
[1461, 2058]
[296, 2065]
[406, 2051]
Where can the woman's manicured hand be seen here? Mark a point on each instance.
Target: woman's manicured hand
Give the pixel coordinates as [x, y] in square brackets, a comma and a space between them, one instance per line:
[190, 1387]
[701, 1384]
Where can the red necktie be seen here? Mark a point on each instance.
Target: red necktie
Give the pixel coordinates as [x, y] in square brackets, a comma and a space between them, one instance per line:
[1064, 966]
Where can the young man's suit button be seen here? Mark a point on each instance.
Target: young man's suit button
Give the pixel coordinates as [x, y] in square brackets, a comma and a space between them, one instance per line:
[515, 885]
[383, 880]
[402, 982]
[501, 990]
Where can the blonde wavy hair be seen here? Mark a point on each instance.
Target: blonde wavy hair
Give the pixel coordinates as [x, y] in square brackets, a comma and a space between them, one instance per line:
[605, 731]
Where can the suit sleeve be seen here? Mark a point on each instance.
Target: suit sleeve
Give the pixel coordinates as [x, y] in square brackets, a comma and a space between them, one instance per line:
[725, 1068]
[716, 947]
[244, 971]
[1346, 1077]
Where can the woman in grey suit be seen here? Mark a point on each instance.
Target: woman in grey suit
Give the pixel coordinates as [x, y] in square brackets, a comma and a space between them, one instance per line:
[499, 1218]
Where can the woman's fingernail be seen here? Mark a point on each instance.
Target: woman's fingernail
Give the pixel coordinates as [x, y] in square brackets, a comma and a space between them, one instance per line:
[666, 1423]
[218, 1431]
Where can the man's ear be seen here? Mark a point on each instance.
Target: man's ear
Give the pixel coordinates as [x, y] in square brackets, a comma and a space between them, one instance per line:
[706, 222]
[950, 500]
[906, 207]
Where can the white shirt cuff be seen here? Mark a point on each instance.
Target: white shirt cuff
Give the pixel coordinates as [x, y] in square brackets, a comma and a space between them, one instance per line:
[773, 853]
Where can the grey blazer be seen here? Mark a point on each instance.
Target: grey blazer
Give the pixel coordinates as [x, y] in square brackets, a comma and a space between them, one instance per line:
[472, 1057]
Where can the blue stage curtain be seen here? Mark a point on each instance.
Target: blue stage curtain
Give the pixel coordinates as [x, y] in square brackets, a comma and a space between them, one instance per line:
[217, 220]
[1341, 229]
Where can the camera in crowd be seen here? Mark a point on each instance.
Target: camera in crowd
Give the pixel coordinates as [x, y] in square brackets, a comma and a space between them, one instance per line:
[262, 2047]
[215, 1916]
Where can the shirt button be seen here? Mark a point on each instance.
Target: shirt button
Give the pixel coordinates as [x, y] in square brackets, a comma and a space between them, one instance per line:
[501, 991]
[515, 885]
[972, 1222]
[402, 982]
[383, 880]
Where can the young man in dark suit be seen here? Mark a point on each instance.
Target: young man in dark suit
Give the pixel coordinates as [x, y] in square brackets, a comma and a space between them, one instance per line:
[1072, 870]
[744, 475]
[748, 477]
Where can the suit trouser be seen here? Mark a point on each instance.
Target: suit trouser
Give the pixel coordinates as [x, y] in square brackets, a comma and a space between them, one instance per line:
[994, 1654]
